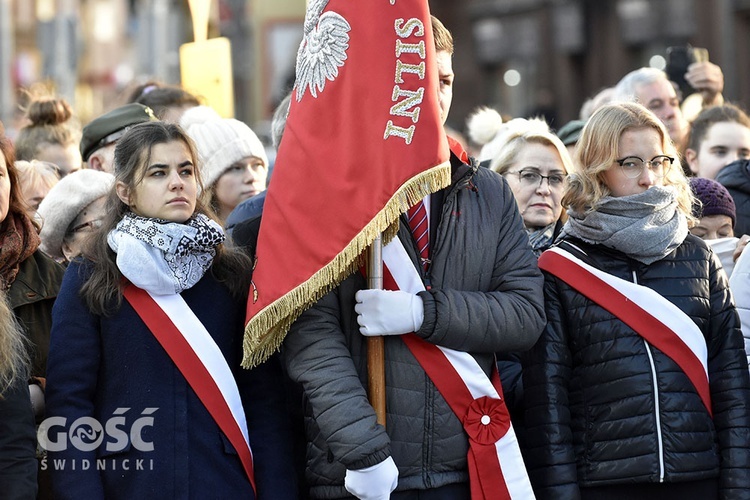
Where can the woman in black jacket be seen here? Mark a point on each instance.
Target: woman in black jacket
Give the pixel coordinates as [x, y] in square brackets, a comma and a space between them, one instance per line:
[638, 388]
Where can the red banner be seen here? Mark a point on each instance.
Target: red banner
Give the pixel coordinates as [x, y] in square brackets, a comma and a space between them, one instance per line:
[362, 143]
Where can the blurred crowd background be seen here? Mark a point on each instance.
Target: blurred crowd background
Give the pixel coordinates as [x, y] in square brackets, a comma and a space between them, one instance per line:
[522, 57]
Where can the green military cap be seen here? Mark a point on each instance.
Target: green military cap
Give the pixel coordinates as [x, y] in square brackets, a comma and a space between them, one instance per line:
[571, 132]
[109, 127]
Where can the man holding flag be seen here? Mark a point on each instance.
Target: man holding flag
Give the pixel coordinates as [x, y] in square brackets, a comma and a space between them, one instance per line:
[459, 272]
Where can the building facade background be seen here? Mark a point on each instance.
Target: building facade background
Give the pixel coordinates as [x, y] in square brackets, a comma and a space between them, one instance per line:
[562, 52]
[522, 57]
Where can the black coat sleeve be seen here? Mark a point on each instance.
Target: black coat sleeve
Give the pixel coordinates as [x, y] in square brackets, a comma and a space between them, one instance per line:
[18, 465]
[507, 315]
[269, 430]
[547, 370]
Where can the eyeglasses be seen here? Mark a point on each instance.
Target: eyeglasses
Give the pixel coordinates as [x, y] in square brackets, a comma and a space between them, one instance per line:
[632, 166]
[532, 178]
[88, 226]
[53, 168]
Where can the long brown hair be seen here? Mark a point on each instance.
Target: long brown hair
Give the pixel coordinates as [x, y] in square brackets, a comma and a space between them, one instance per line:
[16, 204]
[102, 291]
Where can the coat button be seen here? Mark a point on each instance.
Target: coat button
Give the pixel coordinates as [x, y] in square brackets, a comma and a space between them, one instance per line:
[485, 420]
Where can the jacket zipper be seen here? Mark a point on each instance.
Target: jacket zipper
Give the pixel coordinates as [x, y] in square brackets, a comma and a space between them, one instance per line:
[657, 411]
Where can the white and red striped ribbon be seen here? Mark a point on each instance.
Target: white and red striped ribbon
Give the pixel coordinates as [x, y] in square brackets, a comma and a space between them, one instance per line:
[496, 467]
[201, 362]
[661, 323]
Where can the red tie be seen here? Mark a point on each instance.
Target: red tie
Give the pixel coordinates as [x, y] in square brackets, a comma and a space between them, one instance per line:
[418, 223]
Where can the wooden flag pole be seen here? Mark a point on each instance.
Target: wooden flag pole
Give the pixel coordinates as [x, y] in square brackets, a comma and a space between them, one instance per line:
[376, 345]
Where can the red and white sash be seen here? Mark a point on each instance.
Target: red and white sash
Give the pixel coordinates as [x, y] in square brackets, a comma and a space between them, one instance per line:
[496, 467]
[199, 359]
[657, 320]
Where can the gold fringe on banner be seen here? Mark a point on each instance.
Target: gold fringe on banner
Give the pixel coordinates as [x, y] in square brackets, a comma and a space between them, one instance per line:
[265, 332]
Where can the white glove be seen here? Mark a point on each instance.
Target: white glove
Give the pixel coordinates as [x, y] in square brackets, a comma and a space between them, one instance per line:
[373, 483]
[386, 312]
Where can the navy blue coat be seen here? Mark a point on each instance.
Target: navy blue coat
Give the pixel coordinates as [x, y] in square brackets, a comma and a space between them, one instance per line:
[100, 365]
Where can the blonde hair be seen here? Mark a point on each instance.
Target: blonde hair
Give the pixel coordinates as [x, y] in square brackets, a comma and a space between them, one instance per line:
[503, 142]
[14, 357]
[597, 151]
[37, 173]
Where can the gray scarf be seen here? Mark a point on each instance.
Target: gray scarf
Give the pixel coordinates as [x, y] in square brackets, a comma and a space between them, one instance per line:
[541, 239]
[645, 226]
[164, 257]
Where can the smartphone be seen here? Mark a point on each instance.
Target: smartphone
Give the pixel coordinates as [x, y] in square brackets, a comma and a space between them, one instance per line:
[679, 57]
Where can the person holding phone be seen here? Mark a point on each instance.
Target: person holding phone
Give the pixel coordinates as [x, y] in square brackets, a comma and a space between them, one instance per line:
[686, 67]
[653, 88]
[705, 77]
[699, 81]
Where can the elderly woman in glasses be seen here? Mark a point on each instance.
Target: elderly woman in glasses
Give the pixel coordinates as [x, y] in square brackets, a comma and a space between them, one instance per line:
[535, 164]
[533, 161]
[638, 387]
[71, 211]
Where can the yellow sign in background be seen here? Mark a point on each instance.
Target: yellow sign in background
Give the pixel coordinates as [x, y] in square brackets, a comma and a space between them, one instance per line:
[206, 71]
[206, 64]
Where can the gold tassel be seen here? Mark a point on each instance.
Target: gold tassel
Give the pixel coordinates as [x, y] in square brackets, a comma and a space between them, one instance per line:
[265, 332]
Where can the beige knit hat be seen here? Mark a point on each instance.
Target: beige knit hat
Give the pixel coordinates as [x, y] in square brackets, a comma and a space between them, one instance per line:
[221, 142]
[65, 201]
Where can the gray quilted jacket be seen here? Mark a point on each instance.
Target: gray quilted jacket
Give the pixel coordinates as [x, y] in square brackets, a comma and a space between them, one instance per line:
[486, 296]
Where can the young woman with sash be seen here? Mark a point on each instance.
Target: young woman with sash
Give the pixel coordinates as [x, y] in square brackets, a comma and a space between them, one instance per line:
[146, 389]
[638, 387]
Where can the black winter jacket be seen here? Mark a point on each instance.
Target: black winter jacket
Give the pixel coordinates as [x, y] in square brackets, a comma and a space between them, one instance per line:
[603, 407]
[486, 296]
[736, 178]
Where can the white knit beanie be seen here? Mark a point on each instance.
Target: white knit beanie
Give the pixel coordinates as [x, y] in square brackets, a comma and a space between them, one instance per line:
[487, 129]
[221, 142]
[483, 124]
[64, 203]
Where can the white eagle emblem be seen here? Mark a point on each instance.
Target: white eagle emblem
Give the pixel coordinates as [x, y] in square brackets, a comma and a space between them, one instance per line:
[323, 48]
